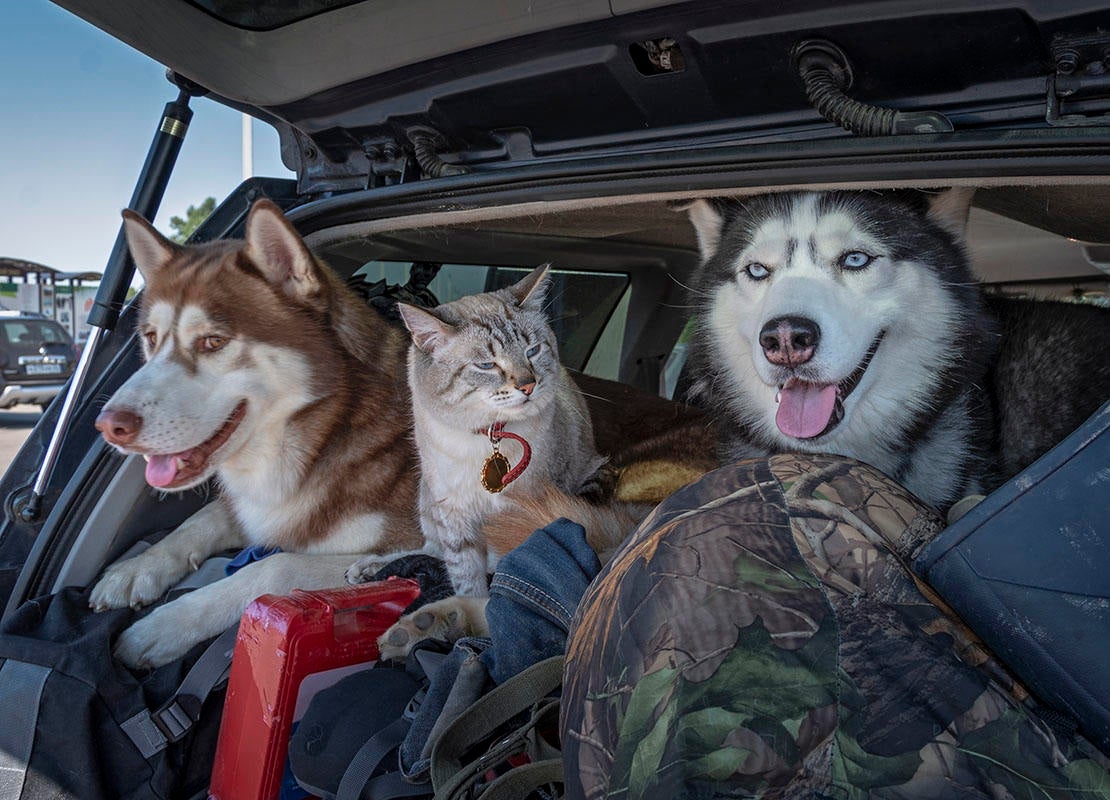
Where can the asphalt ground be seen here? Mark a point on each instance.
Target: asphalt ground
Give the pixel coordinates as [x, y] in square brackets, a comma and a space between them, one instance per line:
[15, 425]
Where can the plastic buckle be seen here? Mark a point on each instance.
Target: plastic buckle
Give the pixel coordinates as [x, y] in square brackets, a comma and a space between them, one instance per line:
[173, 720]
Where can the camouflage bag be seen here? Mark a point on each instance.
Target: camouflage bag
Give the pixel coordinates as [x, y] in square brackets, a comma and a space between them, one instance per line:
[760, 636]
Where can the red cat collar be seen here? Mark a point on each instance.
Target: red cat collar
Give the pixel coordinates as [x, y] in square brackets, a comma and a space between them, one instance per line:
[496, 474]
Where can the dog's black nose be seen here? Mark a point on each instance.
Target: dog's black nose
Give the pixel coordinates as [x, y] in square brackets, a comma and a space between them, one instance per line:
[789, 341]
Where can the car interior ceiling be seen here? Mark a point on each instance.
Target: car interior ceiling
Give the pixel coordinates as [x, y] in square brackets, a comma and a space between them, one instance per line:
[1047, 240]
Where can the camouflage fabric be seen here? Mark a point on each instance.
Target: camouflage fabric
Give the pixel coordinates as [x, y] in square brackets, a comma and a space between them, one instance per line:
[759, 636]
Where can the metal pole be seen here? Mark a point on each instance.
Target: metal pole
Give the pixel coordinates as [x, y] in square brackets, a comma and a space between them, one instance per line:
[248, 146]
[112, 293]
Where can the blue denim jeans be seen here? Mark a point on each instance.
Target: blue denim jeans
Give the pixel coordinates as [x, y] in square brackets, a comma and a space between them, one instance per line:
[533, 596]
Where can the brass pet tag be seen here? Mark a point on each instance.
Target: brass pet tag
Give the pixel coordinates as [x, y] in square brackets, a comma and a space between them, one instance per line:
[494, 471]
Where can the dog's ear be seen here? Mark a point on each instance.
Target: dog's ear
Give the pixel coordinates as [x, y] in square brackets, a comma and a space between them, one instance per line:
[280, 253]
[708, 223]
[531, 290]
[949, 209]
[428, 331]
[150, 250]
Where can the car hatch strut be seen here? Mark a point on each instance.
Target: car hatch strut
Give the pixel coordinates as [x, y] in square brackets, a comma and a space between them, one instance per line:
[110, 297]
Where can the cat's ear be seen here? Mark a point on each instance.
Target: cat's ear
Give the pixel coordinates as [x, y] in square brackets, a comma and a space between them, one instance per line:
[531, 290]
[150, 250]
[280, 253]
[428, 331]
[950, 209]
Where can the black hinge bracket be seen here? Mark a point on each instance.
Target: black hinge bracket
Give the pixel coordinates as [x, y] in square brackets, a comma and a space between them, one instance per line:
[1082, 73]
[388, 162]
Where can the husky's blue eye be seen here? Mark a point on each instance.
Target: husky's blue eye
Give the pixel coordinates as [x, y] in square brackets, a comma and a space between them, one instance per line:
[485, 365]
[757, 271]
[855, 260]
[533, 350]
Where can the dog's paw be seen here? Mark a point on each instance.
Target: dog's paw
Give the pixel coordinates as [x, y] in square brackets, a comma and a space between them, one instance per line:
[153, 641]
[448, 620]
[364, 569]
[133, 583]
[169, 632]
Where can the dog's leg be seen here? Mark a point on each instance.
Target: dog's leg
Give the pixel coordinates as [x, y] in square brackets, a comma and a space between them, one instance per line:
[450, 619]
[170, 631]
[141, 580]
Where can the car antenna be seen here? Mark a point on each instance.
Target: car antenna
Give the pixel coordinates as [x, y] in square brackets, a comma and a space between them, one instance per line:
[112, 293]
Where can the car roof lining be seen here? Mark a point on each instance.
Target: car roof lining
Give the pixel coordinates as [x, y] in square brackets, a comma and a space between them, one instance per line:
[1026, 232]
[1074, 207]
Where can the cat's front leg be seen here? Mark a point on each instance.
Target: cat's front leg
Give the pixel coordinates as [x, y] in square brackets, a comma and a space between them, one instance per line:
[455, 617]
[466, 564]
[449, 620]
[462, 548]
[464, 554]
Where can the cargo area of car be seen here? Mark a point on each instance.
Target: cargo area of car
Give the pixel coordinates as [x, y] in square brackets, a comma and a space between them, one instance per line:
[623, 266]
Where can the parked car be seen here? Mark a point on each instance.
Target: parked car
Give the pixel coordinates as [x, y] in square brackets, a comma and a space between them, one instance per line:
[489, 137]
[37, 356]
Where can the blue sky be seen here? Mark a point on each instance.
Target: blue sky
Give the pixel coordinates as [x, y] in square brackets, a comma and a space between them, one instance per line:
[77, 113]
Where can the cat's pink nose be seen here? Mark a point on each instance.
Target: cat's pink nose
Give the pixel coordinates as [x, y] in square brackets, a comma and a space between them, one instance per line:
[527, 388]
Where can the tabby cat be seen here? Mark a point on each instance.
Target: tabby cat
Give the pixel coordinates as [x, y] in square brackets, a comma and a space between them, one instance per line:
[489, 397]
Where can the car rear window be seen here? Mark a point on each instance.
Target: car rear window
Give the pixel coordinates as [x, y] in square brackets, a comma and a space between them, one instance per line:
[580, 303]
[32, 333]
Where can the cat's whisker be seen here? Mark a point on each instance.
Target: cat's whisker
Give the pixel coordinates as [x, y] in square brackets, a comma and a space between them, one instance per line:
[596, 397]
[691, 289]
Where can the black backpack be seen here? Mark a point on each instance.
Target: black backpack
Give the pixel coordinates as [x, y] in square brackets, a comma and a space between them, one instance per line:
[79, 725]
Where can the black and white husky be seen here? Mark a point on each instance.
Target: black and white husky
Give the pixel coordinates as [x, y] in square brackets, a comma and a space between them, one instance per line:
[851, 323]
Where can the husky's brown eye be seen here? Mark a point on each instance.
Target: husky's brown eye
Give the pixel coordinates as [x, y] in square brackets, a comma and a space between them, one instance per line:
[151, 339]
[210, 344]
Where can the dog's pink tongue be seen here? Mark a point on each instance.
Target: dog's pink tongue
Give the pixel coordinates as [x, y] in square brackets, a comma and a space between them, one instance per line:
[161, 470]
[805, 408]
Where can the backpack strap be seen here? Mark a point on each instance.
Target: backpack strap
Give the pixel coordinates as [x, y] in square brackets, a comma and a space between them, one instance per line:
[368, 758]
[152, 731]
[23, 686]
[516, 695]
[523, 780]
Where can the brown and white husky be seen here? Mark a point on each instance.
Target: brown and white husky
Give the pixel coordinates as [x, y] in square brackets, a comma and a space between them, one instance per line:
[263, 371]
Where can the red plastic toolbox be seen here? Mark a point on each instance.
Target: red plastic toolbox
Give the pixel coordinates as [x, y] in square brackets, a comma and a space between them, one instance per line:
[281, 641]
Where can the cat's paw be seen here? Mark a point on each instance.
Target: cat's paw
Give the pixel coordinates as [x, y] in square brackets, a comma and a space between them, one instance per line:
[364, 570]
[447, 620]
